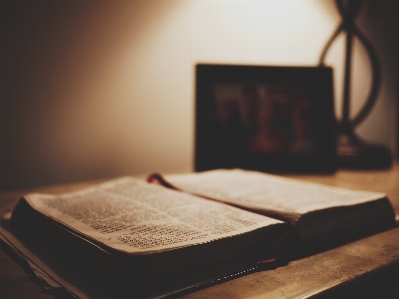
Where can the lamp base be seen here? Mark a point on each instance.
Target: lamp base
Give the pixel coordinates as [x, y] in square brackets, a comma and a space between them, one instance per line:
[354, 153]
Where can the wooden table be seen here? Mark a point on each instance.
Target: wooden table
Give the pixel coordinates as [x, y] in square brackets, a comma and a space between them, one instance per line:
[368, 267]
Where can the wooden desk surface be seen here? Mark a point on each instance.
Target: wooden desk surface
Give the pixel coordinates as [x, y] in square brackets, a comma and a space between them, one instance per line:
[369, 266]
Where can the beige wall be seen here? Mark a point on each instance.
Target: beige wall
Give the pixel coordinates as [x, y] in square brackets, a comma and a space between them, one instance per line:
[99, 89]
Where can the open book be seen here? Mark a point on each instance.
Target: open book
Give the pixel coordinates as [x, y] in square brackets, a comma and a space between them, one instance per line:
[128, 238]
[323, 216]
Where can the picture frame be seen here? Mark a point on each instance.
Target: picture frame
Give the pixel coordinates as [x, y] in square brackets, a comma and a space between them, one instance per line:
[265, 118]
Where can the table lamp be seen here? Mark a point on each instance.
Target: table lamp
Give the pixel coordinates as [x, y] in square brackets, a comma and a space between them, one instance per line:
[352, 151]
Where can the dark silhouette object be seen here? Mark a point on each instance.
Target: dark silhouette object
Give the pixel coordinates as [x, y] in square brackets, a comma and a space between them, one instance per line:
[353, 152]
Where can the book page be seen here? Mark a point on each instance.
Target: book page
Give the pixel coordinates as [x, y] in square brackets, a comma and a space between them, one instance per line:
[260, 191]
[138, 218]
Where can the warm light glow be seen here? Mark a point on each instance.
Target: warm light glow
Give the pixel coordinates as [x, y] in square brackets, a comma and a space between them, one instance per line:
[158, 73]
[113, 82]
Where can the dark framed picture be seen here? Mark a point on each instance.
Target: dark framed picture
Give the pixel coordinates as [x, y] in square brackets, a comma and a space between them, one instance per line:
[266, 118]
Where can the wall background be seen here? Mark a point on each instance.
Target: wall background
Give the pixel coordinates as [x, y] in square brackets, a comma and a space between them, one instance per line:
[100, 89]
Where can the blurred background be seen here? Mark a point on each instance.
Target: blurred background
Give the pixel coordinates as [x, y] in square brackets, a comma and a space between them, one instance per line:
[96, 89]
